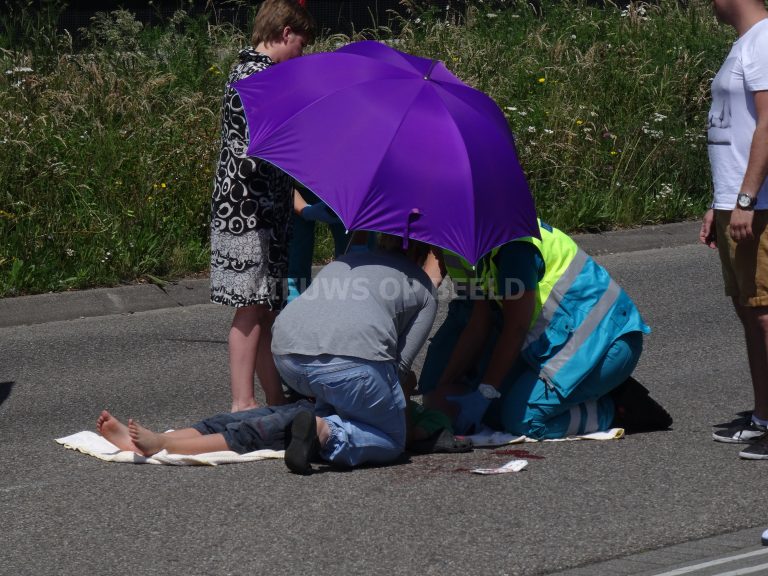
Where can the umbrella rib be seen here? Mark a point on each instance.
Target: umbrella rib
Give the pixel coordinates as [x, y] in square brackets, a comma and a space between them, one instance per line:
[389, 146]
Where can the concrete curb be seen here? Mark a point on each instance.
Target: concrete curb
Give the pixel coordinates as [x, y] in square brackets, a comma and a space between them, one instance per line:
[57, 306]
[42, 308]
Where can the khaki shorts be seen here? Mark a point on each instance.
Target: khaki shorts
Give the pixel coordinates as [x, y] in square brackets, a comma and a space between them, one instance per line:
[745, 265]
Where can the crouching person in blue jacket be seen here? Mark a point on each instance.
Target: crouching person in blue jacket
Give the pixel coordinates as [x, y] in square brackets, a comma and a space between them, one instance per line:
[543, 344]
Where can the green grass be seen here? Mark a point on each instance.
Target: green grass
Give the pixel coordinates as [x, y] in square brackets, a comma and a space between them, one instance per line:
[108, 151]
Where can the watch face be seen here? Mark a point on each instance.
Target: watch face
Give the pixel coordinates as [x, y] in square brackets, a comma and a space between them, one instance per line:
[744, 200]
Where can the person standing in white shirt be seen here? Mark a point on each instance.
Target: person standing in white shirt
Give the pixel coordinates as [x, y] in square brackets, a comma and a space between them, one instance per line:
[737, 222]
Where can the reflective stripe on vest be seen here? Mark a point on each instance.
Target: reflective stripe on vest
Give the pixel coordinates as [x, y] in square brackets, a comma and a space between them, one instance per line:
[554, 297]
[586, 412]
[582, 333]
[567, 269]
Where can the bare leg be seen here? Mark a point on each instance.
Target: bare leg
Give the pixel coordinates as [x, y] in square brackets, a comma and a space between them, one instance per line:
[116, 432]
[184, 442]
[250, 341]
[755, 322]
[323, 431]
[269, 377]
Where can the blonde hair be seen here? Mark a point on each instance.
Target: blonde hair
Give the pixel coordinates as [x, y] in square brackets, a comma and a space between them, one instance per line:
[274, 15]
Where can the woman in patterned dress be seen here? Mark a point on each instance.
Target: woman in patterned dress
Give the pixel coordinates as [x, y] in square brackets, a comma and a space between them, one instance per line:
[251, 212]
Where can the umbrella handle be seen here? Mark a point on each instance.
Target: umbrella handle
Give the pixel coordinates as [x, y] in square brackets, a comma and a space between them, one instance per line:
[413, 215]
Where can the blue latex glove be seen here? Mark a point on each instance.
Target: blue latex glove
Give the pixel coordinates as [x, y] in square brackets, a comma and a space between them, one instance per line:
[472, 409]
[319, 212]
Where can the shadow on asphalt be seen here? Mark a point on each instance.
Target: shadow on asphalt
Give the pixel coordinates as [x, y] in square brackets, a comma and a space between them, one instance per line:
[5, 390]
[739, 418]
[323, 467]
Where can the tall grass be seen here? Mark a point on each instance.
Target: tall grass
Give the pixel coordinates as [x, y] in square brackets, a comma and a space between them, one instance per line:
[108, 152]
[608, 105]
[107, 158]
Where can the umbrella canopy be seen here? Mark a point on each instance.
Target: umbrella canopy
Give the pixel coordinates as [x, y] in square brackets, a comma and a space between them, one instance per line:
[393, 143]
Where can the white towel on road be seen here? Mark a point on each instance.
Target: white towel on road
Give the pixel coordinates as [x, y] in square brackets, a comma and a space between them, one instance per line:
[487, 437]
[94, 445]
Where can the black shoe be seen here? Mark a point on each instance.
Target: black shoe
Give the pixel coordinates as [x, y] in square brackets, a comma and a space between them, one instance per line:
[745, 432]
[757, 450]
[304, 445]
[636, 411]
[441, 441]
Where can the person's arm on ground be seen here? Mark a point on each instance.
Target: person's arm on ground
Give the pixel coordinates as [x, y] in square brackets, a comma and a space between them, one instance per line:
[757, 170]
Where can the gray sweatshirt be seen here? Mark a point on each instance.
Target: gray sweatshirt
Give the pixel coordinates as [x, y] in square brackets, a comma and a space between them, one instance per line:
[371, 305]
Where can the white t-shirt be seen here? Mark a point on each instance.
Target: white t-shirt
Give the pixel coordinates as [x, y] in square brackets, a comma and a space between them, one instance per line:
[732, 117]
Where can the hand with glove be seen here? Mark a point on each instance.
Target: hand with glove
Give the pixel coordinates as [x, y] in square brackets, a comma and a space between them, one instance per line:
[472, 408]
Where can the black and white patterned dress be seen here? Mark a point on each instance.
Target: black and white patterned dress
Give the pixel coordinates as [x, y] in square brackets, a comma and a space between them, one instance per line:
[251, 209]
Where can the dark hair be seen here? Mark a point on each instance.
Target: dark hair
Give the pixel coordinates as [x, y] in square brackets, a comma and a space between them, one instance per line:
[274, 15]
[416, 251]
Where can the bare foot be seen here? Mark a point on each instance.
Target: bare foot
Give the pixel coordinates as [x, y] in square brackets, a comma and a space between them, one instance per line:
[116, 432]
[146, 441]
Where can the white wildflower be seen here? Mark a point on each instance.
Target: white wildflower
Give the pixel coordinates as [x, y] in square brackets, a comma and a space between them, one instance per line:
[19, 70]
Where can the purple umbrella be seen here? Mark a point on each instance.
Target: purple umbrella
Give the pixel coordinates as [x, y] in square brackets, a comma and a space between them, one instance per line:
[393, 143]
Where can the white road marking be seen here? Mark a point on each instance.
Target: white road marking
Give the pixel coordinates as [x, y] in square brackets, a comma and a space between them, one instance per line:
[695, 567]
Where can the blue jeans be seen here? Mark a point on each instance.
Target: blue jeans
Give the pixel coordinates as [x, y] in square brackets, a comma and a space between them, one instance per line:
[529, 407]
[360, 400]
[254, 429]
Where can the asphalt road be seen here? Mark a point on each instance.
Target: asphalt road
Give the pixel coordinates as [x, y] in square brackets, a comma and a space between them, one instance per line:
[576, 504]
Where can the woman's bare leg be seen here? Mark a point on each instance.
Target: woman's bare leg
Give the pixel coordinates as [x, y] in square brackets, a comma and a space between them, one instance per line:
[250, 342]
[243, 346]
[149, 443]
[266, 371]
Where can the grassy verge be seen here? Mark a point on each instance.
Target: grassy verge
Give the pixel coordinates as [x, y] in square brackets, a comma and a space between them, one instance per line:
[108, 151]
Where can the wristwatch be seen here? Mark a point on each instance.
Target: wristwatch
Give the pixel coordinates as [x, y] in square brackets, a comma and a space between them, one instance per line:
[488, 391]
[745, 201]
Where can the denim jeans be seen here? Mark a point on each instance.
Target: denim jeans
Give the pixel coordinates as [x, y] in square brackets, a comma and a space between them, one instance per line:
[360, 400]
[254, 429]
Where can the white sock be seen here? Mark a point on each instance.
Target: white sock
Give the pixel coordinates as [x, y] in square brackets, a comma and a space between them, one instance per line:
[759, 421]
